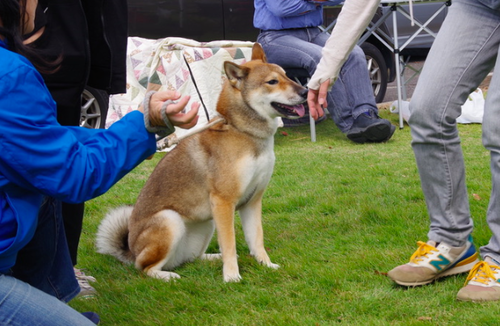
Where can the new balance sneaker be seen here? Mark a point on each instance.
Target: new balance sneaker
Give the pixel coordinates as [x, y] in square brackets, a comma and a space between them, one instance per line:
[432, 261]
[482, 284]
[369, 127]
[86, 290]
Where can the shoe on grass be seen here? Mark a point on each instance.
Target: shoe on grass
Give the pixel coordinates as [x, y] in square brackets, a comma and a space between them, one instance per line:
[92, 316]
[368, 127]
[482, 284]
[432, 261]
[86, 290]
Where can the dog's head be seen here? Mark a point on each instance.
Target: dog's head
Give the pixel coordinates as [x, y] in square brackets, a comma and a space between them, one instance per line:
[265, 87]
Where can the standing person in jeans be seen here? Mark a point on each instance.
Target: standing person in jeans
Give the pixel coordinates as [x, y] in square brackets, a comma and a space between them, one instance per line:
[291, 37]
[43, 163]
[465, 51]
[91, 38]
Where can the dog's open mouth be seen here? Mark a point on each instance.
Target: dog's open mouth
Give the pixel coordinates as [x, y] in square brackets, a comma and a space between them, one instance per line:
[289, 110]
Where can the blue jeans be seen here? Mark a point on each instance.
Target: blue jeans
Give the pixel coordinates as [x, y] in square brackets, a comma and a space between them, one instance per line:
[43, 279]
[352, 93]
[21, 304]
[464, 52]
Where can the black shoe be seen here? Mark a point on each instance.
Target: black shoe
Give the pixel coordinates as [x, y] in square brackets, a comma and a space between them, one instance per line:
[369, 127]
[92, 316]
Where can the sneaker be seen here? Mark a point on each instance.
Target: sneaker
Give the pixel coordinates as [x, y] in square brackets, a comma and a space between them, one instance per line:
[369, 127]
[482, 284]
[92, 316]
[431, 262]
[86, 290]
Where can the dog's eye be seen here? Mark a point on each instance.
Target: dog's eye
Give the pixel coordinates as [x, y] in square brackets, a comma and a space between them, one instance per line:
[272, 82]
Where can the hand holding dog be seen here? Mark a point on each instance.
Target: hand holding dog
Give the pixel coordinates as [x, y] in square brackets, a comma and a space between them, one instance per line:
[316, 99]
[174, 110]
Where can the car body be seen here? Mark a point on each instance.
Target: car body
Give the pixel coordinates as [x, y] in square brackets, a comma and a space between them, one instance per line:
[200, 20]
[208, 20]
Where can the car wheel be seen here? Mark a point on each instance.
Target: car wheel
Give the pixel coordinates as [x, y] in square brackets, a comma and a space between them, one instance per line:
[94, 108]
[377, 69]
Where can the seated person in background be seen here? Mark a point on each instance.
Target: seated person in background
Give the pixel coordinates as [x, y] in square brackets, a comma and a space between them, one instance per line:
[291, 37]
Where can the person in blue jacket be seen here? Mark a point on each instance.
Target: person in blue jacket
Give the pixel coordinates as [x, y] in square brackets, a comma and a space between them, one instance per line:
[92, 35]
[41, 161]
[291, 37]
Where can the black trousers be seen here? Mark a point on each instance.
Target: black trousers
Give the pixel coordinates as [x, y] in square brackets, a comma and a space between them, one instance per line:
[91, 38]
[66, 35]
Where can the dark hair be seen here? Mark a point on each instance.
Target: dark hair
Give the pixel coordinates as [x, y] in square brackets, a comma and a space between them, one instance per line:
[11, 14]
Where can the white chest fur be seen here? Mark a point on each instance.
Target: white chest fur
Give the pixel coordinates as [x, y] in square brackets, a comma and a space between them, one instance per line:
[256, 171]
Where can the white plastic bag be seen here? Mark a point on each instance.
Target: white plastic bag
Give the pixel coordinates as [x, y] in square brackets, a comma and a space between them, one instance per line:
[405, 111]
[473, 108]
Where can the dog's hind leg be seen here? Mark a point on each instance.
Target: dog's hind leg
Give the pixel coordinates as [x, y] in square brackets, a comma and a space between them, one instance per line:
[196, 241]
[251, 219]
[223, 213]
[157, 244]
[207, 237]
[211, 256]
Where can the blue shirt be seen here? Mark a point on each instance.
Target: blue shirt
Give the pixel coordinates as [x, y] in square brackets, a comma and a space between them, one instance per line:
[40, 157]
[286, 14]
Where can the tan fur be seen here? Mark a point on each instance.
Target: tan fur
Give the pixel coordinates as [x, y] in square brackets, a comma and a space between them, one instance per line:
[200, 184]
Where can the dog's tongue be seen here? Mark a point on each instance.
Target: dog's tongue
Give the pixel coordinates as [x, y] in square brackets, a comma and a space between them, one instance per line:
[299, 109]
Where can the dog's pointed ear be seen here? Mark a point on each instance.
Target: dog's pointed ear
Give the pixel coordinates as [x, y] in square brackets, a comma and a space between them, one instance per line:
[235, 74]
[258, 53]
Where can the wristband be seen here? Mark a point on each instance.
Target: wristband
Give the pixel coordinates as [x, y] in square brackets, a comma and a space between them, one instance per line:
[161, 131]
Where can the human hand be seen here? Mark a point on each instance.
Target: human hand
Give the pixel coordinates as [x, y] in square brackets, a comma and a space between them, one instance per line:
[162, 114]
[173, 110]
[316, 99]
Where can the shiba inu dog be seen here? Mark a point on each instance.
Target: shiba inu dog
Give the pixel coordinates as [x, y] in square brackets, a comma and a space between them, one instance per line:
[199, 185]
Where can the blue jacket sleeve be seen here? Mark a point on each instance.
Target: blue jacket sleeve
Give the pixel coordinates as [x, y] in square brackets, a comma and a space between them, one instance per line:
[71, 164]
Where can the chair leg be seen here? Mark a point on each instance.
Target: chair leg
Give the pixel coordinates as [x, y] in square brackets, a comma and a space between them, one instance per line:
[313, 128]
[312, 123]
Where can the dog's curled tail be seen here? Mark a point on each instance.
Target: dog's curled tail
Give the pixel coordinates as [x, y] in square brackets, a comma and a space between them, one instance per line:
[112, 234]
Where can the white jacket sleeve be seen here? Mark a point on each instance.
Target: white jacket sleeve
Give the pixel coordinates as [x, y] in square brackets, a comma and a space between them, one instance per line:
[351, 23]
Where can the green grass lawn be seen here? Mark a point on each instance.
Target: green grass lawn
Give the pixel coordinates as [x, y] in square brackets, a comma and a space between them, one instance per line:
[337, 216]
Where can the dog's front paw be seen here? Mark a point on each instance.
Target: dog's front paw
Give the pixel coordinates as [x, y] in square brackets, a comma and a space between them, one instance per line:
[232, 278]
[267, 262]
[231, 271]
[163, 275]
[211, 256]
[271, 265]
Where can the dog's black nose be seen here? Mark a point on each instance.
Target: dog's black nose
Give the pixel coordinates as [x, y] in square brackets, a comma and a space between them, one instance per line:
[303, 92]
